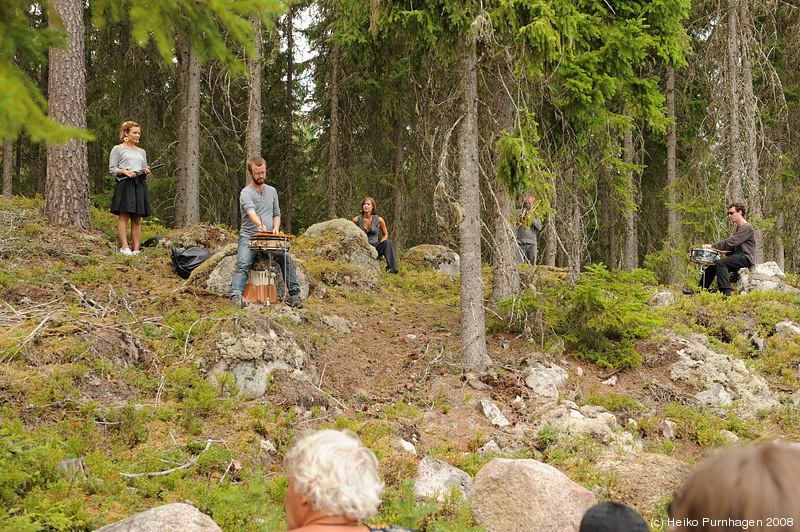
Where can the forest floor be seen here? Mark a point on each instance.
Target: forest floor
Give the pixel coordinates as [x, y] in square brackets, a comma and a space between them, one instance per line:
[103, 359]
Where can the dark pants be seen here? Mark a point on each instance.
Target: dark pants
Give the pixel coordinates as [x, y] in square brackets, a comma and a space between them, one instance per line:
[386, 248]
[721, 270]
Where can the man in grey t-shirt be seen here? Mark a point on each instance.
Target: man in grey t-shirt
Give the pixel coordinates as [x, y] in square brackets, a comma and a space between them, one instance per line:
[260, 214]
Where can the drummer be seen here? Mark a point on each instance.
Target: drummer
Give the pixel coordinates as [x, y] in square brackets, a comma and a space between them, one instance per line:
[742, 247]
[260, 214]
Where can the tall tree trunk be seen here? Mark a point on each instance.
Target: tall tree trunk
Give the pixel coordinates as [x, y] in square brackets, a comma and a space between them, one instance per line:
[732, 80]
[608, 232]
[473, 327]
[550, 233]
[504, 258]
[187, 198]
[750, 114]
[286, 213]
[779, 251]
[333, 145]
[398, 225]
[574, 225]
[630, 246]
[8, 167]
[254, 64]
[68, 164]
[672, 174]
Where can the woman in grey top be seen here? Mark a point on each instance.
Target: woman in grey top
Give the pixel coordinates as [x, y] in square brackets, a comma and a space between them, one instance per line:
[128, 164]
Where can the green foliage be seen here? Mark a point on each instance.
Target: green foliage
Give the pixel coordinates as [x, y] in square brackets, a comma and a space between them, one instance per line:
[703, 426]
[608, 314]
[613, 402]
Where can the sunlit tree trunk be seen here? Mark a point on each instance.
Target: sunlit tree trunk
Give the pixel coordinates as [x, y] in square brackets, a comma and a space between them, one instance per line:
[68, 164]
[253, 131]
[473, 329]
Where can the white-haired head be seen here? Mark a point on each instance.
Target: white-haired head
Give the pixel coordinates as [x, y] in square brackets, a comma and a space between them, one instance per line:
[337, 473]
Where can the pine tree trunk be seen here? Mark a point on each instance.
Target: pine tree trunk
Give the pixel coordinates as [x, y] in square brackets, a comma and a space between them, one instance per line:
[608, 232]
[574, 225]
[504, 259]
[732, 80]
[398, 222]
[286, 212]
[473, 328]
[68, 164]
[187, 200]
[550, 233]
[750, 114]
[672, 173]
[630, 246]
[8, 167]
[253, 132]
[333, 144]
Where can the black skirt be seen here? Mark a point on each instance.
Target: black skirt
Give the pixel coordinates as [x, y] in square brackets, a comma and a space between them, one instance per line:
[131, 196]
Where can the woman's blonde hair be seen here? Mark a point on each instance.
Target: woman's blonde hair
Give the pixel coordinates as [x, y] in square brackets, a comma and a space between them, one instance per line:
[338, 474]
[757, 486]
[126, 126]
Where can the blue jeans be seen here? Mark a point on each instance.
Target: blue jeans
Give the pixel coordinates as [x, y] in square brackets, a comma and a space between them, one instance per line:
[245, 259]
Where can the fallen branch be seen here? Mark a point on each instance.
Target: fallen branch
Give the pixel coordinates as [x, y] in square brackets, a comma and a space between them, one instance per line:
[187, 465]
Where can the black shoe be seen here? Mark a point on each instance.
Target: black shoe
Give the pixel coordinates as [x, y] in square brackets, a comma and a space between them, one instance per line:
[726, 295]
[688, 291]
[237, 301]
[294, 301]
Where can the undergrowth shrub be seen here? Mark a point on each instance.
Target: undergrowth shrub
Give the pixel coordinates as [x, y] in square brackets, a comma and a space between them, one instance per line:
[608, 313]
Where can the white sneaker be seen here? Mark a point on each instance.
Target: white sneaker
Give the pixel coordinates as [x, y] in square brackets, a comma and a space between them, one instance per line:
[135, 252]
[126, 251]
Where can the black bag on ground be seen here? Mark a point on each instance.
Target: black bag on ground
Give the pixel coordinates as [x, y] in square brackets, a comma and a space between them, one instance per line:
[186, 260]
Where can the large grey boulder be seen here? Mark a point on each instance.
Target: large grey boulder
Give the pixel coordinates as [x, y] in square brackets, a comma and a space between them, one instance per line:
[251, 357]
[436, 479]
[766, 276]
[525, 495]
[442, 259]
[544, 380]
[178, 517]
[720, 378]
[347, 258]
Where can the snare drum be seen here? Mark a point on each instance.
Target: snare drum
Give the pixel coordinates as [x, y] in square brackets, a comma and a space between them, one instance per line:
[705, 256]
[270, 243]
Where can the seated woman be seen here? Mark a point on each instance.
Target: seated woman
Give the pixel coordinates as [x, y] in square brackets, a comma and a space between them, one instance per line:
[333, 484]
[753, 488]
[377, 234]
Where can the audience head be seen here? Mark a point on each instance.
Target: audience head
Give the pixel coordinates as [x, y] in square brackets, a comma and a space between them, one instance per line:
[255, 161]
[126, 127]
[335, 474]
[612, 517]
[739, 207]
[753, 484]
[372, 202]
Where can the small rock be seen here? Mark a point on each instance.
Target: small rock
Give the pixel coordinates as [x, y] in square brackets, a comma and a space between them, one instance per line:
[660, 299]
[408, 447]
[729, 437]
[576, 414]
[631, 425]
[478, 385]
[760, 344]
[545, 381]
[787, 329]
[436, 478]
[411, 336]
[267, 446]
[716, 395]
[579, 371]
[611, 381]
[490, 447]
[493, 413]
[608, 418]
[667, 428]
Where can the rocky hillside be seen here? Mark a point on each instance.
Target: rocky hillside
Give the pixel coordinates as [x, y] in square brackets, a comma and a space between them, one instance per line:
[125, 387]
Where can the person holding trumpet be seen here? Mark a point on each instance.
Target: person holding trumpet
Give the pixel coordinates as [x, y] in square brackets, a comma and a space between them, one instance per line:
[741, 248]
[261, 213]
